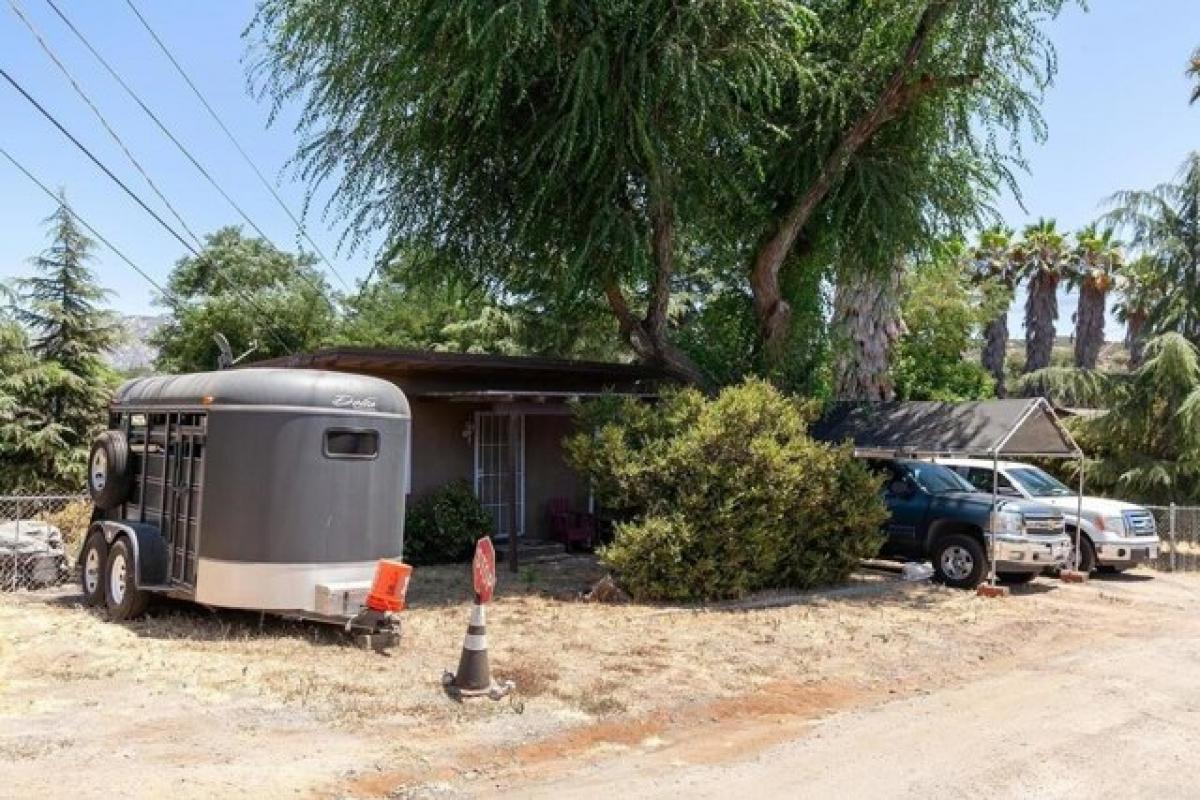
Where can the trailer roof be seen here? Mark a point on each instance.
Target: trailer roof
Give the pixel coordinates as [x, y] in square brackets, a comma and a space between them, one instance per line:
[993, 428]
[283, 388]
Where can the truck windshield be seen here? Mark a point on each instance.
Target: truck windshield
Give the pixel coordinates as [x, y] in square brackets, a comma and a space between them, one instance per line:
[936, 479]
[1038, 483]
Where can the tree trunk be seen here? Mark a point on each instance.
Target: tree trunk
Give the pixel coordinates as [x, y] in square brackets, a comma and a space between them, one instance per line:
[867, 322]
[995, 351]
[1135, 338]
[1089, 324]
[900, 93]
[648, 335]
[1041, 312]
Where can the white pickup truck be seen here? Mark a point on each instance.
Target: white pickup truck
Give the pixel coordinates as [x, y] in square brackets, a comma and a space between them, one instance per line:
[1115, 535]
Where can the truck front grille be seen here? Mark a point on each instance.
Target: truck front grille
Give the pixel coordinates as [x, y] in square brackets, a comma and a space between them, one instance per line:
[1044, 526]
[1140, 523]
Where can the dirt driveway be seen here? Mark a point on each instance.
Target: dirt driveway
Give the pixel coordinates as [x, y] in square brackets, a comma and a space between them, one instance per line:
[907, 685]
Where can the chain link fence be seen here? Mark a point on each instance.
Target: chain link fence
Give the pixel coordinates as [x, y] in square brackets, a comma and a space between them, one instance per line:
[1179, 534]
[39, 538]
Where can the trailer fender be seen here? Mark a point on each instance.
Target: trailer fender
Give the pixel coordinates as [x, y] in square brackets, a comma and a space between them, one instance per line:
[150, 554]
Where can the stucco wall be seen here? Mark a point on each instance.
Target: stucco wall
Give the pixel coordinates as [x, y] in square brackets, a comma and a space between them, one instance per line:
[442, 454]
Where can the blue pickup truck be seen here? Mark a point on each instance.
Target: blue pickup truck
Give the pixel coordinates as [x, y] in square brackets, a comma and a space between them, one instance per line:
[938, 516]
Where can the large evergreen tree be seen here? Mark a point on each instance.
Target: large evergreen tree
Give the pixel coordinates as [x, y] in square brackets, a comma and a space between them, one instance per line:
[61, 382]
[35, 455]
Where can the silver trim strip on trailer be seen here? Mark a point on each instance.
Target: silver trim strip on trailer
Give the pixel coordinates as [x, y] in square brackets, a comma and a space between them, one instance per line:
[272, 587]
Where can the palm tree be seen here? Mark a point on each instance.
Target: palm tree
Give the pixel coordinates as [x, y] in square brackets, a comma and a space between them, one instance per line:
[995, 269]
[1041, 258]
[866, 317]
[1094, 266]
[1164, 223]
[1140, 287]
[1193, 72]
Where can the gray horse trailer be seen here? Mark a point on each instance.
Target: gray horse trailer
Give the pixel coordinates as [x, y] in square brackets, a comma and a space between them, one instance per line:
[268, 489]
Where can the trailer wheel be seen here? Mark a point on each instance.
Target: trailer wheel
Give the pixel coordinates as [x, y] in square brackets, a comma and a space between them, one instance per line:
[108, 470]
[123, 598]
[93, 563]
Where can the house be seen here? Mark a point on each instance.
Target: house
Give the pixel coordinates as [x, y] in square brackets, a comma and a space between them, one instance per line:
[466, 408]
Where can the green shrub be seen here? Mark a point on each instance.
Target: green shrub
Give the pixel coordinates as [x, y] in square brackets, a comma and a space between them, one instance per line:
[442, 526]
[727, 496]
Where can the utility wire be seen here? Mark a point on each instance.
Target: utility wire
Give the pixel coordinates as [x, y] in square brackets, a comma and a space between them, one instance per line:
[187, 245]
[229, 134]
[179, 145]
[167, 295]
[100, 116]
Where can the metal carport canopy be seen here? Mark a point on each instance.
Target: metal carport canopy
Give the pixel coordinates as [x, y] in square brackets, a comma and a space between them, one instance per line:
[993, 428]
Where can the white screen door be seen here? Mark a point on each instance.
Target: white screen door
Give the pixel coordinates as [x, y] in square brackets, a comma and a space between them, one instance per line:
[491, 469]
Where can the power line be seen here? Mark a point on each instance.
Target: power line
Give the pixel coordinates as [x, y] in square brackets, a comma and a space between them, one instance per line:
[229, 134]
[174, 140]
[167, 295]
[103, 168]
[4, 74]
[103, 121]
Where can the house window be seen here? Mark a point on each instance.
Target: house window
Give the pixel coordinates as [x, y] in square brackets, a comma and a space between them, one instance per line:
[492, 465]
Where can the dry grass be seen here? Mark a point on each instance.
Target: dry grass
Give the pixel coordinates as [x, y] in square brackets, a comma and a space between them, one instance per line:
[573, 662]
[72, 521]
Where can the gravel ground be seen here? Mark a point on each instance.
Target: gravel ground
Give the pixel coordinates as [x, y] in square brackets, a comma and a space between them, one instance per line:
[199, 704]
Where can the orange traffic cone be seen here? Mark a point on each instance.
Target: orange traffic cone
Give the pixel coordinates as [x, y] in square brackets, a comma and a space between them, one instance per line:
[474, 678]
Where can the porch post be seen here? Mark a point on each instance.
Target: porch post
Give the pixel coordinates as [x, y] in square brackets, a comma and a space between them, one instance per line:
[514, 488]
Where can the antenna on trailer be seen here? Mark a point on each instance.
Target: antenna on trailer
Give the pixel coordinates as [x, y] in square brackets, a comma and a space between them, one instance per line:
[225, 358]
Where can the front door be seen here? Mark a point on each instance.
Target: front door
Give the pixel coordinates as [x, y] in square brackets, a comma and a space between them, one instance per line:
[493, 458]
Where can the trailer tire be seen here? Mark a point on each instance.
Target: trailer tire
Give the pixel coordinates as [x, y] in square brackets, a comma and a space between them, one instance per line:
[121, 595]
[959, 561]
[93, 566]
[108, 470]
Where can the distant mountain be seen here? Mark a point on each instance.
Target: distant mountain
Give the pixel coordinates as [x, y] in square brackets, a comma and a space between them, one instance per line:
[134, 354]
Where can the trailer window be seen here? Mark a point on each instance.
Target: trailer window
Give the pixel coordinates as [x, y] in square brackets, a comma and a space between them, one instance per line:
[344, 443]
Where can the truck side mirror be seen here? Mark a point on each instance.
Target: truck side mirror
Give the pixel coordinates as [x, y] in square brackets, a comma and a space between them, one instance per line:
[900, 488]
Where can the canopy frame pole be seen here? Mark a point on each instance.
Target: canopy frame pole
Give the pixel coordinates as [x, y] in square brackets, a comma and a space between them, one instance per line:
[1078, 518]
[992, 519]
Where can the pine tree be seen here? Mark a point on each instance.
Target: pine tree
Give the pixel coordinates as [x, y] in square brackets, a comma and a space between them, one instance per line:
[60, 307]
[32, 449]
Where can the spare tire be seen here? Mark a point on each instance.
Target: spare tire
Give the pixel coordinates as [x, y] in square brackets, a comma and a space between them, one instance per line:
[108, 470]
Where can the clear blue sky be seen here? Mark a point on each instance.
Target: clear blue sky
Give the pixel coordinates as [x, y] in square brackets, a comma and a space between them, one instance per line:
[1118, 118]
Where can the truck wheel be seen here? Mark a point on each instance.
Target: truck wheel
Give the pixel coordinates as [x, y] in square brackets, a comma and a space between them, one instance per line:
[1016, 577]
[123, 598]
[1087, 556]
[959, 561]
[108, 477]
[93, 562]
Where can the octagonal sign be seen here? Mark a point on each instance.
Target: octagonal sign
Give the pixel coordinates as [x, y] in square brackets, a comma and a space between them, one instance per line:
[483, 569]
